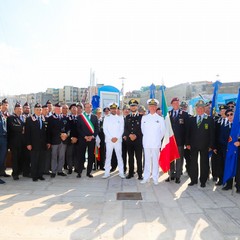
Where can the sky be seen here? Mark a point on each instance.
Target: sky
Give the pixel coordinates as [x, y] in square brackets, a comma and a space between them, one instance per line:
[54, 43]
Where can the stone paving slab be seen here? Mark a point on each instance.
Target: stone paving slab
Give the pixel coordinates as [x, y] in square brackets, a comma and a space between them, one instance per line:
[79, 209]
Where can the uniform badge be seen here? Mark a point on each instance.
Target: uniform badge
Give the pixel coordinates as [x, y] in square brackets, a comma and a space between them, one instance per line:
[206, 126]
[181, 121]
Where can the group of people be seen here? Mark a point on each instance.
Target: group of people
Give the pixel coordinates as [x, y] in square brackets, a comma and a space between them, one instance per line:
[56, 137]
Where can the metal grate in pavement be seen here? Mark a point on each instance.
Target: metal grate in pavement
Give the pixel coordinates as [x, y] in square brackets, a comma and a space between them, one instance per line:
[129, 196]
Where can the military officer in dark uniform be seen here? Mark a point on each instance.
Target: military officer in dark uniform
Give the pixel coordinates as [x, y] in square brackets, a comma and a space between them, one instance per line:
[47, 160]
[35, 132]
[71, 153]
[3, 143]
[3, 139]
[87, 131]
[220, 122]
[223, 132]
[26, 163]
[50, 108]
[133, 137]
[58, 131]
[179, 121]
[200, 139]
[15, 130]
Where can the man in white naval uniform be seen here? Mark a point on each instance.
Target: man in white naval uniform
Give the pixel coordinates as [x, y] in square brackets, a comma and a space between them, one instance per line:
[153, 129]
[113, 127]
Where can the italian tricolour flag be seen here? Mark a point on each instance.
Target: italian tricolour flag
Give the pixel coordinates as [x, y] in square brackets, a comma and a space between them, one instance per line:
[169, 149]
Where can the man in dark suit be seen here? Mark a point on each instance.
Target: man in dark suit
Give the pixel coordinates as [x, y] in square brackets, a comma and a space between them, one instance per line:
[200, 139]
[179, 121]
[86, 132]
[133, 139]
[35, 132]
[58, 131]
[15, 130]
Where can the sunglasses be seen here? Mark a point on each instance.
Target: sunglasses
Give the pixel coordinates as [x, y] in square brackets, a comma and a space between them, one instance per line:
[231, 106]
[230, 114]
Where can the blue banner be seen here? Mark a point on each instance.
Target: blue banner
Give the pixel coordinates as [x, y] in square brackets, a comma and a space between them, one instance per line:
[232, 150]
[152, 89]
[214, 106]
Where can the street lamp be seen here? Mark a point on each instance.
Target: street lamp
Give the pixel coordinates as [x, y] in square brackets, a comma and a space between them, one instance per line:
[122, 90]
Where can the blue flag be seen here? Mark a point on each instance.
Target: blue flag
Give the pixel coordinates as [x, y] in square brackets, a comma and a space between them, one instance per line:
[232, 151]
[216, 85]
[152, 89]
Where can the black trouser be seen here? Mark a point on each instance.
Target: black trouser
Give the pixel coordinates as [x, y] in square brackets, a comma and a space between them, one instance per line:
[176, 166]
[187, 156]
[17, 161]
[124, 155]
[71, 156]
[134, 148]
[204, 165]
[26, 168]
[83, 145]
[222, 151]
[101, 162]
[214, 164]
[37, 163]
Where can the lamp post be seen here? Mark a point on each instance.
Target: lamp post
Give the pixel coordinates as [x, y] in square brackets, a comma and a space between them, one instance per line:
[122, 90]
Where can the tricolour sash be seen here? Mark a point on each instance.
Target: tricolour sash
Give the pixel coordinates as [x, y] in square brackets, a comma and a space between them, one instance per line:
[88, 122]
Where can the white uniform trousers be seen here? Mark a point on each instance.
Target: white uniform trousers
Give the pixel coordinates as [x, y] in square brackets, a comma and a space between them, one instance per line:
[151, 164]
[109, 150]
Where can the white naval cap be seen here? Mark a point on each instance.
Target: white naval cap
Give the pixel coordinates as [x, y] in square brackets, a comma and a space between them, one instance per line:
[152, 101]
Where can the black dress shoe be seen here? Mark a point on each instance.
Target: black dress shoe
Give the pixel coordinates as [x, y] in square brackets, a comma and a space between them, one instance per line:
[1, 181]
[129, 176]
[140, 178]
[203, 185]
[35, 179]
[219, 183]
[69, 171]
[41, 178]
[62, 174]
[79, 175]
[15, 178]
[226, 188]
[90, 175]
[214, 179]
[53, 175]
[27, 175]
[112, 169]
[192, 183]
[168, 179]
[102, 168]
[177, 180]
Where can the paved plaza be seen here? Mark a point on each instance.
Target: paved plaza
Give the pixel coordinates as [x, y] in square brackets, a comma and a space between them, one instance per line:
[70, 208]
